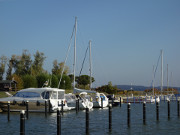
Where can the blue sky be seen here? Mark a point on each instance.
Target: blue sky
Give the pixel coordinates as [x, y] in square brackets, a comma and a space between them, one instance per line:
[126, 35]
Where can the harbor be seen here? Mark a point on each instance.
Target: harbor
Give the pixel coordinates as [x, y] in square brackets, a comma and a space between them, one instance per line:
[73, 122]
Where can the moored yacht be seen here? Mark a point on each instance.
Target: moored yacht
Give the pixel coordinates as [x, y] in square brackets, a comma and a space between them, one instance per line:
[100, 100]
[36, 98]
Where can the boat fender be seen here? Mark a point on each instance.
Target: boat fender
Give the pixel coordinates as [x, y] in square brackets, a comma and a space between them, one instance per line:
[97, 99]
[38, 103]
[91, 99]
[65, 102]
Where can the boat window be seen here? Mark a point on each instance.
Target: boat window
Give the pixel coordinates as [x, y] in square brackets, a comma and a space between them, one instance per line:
[27, 94]
[45, 95]
[60, 94]
[54, 95]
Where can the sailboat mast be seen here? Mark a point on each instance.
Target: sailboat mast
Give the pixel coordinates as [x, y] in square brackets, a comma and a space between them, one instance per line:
[161, 71]
[90, 61]
[153, 79]
[75, 53]
[167, 79]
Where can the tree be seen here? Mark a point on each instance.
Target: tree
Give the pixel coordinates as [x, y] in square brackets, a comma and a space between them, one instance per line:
[54, 81]
[3, 60]
[26, 62]
[110, 89]
[84, 80]
[19, 81]
[58, 68]
[9, 71]
[21, 64]
[41, 79]
[29, 81]
[37, 66]
[66, 82]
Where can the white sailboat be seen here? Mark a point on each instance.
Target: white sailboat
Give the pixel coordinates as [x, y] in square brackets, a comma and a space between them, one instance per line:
[84, 100]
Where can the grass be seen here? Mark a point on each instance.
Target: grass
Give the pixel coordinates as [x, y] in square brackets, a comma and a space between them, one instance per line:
[3, 94]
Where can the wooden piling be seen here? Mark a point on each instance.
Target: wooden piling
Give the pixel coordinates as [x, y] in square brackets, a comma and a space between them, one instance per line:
[8, 111]
[157, 111]
[22, 122]
[87, 120]
[144, 113]
[58, 122]
[45, 108]
[110, 117]
[128, 113]
[102, 102]
[62, 107]
[120, 102]
[168, 103]
[178, 108]
[27, 109]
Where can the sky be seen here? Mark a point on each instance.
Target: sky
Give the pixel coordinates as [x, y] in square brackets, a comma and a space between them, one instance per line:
[127, 36]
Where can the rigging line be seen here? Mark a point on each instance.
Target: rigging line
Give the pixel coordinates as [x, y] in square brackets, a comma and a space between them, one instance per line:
[156, 68]
[66, 56]
[83, 61]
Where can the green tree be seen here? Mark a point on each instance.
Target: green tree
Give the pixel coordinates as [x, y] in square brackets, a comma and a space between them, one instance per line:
[58, 68]
[9, 71]
[19, 81]
[3, 60]
[84, 80]
[37, 66]
[54, 81]
[110, 89]
[22, 64]
[66, 82]
[29, 81]
[41, 79]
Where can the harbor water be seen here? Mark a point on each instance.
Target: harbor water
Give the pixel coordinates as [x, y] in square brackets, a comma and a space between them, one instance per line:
[73, 123]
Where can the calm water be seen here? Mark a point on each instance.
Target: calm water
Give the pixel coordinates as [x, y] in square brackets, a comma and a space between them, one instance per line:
[73, 123]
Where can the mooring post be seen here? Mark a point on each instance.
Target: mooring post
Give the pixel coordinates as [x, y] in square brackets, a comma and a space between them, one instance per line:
[102, 102]
[27, 109]
[8, 110]
[110, 117]
[128, 113]
[157, 111]
[144, 113]
[78, 104]
[87, 120]
[120, 102]
[178, 108]
[62, 107]
[45, 108]
[22, 122]
[58, 122]
[49, 104]
[112, 101]
[168, 102]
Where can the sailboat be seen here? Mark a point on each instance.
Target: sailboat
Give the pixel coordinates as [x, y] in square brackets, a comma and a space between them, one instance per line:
[84, 99]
